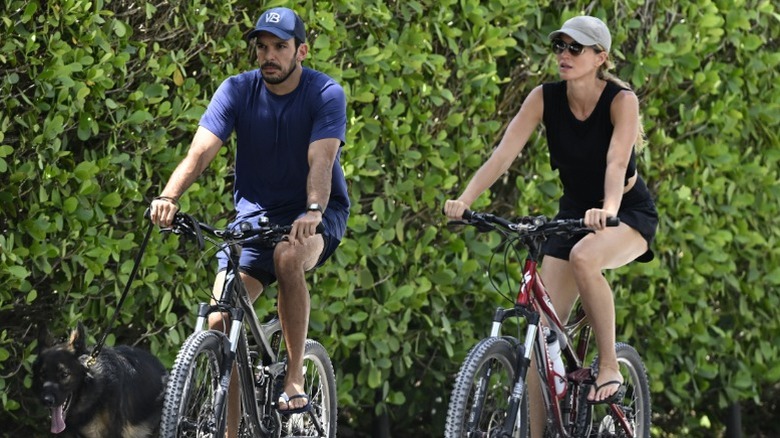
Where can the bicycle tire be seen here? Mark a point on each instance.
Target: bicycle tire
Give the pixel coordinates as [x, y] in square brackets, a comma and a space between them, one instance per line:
[600, 421]
[473, 412]
[320, 386]
[188, 408]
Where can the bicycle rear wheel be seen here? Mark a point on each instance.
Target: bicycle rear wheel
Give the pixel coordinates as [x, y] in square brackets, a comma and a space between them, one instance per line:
[320, 386]
[480, 398]
[189, 409]
[602, 422]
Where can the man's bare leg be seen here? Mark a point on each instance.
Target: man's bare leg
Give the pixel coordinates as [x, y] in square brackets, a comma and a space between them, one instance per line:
[221, 322]
[291, 261]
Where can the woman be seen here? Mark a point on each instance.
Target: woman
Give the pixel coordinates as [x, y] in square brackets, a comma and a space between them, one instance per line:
[593, 125]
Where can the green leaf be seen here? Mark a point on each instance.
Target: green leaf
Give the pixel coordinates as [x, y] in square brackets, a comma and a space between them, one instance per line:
[374, 377]
[17, 271]
[112, 200]
[139, 116]
[86, 170]
[119, 28]
[165, 301]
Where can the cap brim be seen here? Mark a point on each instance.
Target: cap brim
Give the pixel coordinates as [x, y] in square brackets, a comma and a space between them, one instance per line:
[575, 35]
[273, 30]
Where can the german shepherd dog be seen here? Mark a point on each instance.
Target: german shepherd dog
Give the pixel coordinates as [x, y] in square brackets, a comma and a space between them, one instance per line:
[119, 394]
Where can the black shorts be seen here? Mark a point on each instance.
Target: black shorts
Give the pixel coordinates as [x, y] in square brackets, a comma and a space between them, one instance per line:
[637, 210]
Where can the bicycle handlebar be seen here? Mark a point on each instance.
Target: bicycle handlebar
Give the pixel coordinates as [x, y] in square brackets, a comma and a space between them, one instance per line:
[266, 233]
[531, 225]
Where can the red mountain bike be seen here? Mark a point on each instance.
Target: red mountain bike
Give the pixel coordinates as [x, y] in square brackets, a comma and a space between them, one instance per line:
[490, 394]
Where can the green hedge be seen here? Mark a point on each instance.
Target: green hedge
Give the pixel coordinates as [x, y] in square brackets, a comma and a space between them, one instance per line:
[101, 100]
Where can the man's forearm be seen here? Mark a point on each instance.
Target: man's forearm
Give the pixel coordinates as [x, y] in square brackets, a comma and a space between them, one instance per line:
[182, 178]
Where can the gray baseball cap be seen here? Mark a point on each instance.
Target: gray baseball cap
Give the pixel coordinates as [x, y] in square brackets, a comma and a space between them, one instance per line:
[282, 22]
[586, 30]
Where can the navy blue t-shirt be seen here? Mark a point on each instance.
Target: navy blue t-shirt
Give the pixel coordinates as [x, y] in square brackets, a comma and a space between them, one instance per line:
[273, 135]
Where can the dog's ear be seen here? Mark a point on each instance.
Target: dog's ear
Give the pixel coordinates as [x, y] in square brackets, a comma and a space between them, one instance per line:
[78, 339]
[44, 338]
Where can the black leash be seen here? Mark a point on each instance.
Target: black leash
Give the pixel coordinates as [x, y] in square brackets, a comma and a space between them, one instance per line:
[99, 346]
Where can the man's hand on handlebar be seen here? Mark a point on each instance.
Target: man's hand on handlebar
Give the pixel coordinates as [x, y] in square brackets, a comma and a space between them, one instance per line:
[305, 226]
[162, 210]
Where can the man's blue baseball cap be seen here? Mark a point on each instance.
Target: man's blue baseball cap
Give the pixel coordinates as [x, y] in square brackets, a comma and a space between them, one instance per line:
[282, 22]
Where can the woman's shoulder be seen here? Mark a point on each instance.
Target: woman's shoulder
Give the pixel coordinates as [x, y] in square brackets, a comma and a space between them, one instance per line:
[557, 86]
[624, 96]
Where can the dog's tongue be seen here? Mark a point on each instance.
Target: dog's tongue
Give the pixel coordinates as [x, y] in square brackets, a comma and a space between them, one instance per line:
[57, 423]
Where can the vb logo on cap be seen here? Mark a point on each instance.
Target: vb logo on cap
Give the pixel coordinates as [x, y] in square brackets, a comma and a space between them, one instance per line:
[282, 22]
[273, 17]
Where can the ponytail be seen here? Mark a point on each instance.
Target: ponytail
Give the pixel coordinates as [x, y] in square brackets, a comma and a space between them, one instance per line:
[604, 74]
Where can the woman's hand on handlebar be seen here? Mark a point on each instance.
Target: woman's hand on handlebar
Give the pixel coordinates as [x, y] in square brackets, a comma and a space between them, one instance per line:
[596, 218]
[162, 210]
[454, 208]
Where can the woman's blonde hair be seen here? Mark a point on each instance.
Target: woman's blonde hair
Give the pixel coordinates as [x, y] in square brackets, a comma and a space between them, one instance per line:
[603, 73]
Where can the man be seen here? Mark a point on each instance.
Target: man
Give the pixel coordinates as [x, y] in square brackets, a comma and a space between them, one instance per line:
[290, 124]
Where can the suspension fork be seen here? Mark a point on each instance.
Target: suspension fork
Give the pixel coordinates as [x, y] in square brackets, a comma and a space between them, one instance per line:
[523, 359]
[228, 358]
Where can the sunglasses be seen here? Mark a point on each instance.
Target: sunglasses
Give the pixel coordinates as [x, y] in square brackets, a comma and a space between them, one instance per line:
[559, 46]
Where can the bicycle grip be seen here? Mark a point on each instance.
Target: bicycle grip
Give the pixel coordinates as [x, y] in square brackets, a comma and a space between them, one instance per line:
[613, 221]
[466, 214]
[287, 228]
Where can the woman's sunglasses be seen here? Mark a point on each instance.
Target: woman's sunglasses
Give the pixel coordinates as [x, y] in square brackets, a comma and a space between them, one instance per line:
[559, 46]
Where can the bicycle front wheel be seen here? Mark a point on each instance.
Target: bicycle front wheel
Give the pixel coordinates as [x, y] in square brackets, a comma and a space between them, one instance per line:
[190, 406]
[320, 385]
[635, 406]
[480, 398]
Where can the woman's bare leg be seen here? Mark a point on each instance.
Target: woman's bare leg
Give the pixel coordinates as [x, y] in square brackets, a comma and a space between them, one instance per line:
[559, 281]
[606, 249]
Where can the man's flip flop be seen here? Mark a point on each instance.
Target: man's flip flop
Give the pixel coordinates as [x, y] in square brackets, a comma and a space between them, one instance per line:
[614, 398]
[284, 398]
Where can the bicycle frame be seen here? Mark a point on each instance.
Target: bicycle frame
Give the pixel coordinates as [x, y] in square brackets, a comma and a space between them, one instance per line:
[234, 301]
[532, 303]
[253, 347]
[569, 413]
[233, 290]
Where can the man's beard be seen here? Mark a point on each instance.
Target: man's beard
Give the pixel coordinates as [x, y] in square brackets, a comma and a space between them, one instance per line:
[274, 80]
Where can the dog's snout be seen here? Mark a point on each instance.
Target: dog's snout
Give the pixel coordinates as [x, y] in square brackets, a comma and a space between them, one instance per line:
[48, 400]
[47, 394]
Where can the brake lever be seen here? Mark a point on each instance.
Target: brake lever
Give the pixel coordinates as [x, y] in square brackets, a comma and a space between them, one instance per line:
[483, 227]
[456, 223]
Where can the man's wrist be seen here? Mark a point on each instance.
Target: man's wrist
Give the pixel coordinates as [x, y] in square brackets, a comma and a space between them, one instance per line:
[314, 206]
[169, 199]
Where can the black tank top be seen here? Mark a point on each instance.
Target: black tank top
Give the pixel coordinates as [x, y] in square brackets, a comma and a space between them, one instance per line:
[578, 148]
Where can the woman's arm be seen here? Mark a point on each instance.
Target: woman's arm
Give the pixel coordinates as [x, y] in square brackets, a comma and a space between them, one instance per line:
[625, 119]
[517, 134]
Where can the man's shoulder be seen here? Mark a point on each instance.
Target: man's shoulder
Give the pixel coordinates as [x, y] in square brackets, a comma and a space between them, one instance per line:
[319, 79]
[242, 80]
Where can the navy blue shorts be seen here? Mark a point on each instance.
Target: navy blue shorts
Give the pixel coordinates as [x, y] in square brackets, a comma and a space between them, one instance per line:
[258, 261]
[637, 210]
